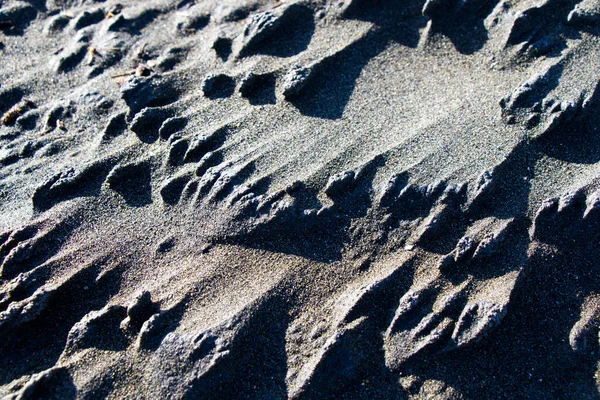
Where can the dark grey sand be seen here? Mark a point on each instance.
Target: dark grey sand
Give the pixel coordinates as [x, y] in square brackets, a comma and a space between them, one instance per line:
[254, 199]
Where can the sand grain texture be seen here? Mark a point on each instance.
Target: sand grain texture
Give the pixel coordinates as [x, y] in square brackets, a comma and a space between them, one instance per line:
[299, 199]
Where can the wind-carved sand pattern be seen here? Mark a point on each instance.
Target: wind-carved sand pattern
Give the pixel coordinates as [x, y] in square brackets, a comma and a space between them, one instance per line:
[299, 199]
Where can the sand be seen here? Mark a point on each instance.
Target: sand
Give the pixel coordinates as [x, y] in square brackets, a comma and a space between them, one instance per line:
[260, 199]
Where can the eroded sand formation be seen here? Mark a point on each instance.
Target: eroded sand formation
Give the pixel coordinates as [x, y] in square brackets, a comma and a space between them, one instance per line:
[299, 199]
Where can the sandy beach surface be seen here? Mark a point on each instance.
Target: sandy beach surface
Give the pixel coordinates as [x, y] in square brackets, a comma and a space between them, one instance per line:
[299, 199]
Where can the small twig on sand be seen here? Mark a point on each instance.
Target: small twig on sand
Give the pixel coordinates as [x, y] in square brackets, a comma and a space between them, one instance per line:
[140, 70]
[123, 74]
